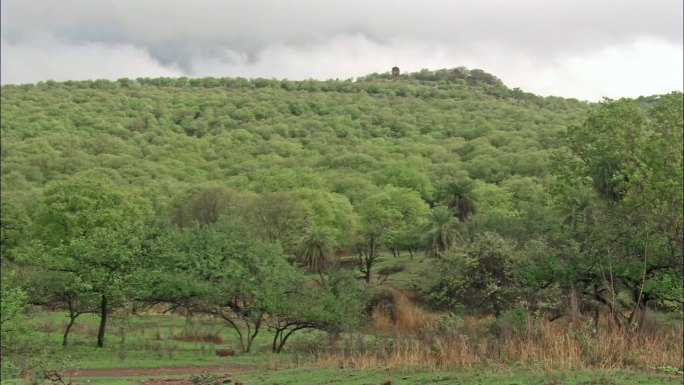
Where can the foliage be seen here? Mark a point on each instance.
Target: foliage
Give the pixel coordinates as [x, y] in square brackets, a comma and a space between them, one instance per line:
[92, 232]
[386, 218]
[14, 302]
[440, 229]
[316, 250]
[478, 275]
[334, 304]
[633, 160]
[202, 194]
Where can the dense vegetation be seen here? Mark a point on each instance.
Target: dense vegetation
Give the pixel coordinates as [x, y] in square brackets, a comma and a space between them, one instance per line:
[268, 204]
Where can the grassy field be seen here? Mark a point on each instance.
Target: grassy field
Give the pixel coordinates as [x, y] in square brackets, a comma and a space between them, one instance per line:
[173, 342]
[309, 375]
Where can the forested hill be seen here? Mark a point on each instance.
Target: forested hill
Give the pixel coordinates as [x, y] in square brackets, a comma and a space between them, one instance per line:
[348, 137]
[519, 198]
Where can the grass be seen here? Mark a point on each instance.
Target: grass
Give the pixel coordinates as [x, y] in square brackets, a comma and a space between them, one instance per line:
[148, 341]
[412, 346]
[471, 350]
[482, 375]
[496, 375]
[470, 342]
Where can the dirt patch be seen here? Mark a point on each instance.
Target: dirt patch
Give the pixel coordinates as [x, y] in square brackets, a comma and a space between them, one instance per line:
[164, 371]
[165, 381]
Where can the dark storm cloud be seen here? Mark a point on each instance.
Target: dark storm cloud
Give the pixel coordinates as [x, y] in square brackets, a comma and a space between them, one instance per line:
[235, 38]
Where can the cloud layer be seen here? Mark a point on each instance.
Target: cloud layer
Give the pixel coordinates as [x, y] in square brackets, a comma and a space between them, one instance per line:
[576, 49]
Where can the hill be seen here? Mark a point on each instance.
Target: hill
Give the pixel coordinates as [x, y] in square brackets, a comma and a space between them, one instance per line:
[191, 192]
[266, 135]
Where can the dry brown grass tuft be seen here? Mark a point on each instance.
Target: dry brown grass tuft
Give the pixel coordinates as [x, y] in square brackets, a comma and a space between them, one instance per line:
[407, 317]
[199, 335]
[382, 322]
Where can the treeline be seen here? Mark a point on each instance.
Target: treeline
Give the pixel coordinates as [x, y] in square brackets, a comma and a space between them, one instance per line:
[444, 83]
[232, 197]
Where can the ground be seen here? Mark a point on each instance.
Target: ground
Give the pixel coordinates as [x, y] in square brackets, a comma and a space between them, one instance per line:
[309, 375]
[168, 349]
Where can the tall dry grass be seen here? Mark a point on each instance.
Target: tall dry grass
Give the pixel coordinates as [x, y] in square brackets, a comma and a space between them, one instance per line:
[407, 318]
[473, 340]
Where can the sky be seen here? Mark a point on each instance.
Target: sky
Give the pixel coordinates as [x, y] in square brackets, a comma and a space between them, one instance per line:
[586, 49]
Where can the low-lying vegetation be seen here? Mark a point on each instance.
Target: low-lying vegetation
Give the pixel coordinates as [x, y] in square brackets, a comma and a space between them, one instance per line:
[470, 341]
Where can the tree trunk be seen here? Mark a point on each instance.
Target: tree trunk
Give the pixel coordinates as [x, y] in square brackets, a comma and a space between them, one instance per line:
[284, 339]
[104, 309]
[241, 339]
[252, 335]
[367, 272]
[68, 329]
[73, 314]
[274, 346]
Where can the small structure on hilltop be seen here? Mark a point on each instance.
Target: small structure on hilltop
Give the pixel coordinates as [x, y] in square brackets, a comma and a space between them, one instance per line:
[395, 71]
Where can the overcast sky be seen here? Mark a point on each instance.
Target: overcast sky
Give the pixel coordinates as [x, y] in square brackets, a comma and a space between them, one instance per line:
[581, 48]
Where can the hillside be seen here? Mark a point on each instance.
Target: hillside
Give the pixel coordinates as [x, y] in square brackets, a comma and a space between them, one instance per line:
[267, 135]
[221, 196]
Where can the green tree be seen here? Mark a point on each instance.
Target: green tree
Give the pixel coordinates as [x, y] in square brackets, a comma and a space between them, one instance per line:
[316, 250]
[458, 196]
[222, 271]
[207, 206]
[384, 217]
[440, 230]
[479, 275]
[88, 227]
[278, 217]
[12, 319]
[63, 290]
[332, 305]
[333, 212]
[632, 157]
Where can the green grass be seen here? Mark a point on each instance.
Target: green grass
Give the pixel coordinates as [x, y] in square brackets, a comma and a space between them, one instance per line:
[305, 375]
[412, 275]
[490, 376]
[148, 341]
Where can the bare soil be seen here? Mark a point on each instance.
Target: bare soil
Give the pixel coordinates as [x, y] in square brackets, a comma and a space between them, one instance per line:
[223, 371]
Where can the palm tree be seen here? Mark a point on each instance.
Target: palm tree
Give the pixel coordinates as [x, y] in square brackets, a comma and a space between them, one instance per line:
[578, 210]
[316, 249]
[440, 229]
[458, 196]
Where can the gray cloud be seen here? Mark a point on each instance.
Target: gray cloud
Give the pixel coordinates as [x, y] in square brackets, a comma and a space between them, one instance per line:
[516, 41]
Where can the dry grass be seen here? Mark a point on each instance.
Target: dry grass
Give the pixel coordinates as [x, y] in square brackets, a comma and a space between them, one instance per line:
[473, 340]
[199, 335]
[408, 317]
[49, 326]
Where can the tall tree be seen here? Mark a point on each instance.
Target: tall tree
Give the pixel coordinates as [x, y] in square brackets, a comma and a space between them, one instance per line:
[220, 270]
[633, 158]
[384, 217]
[88, 227]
